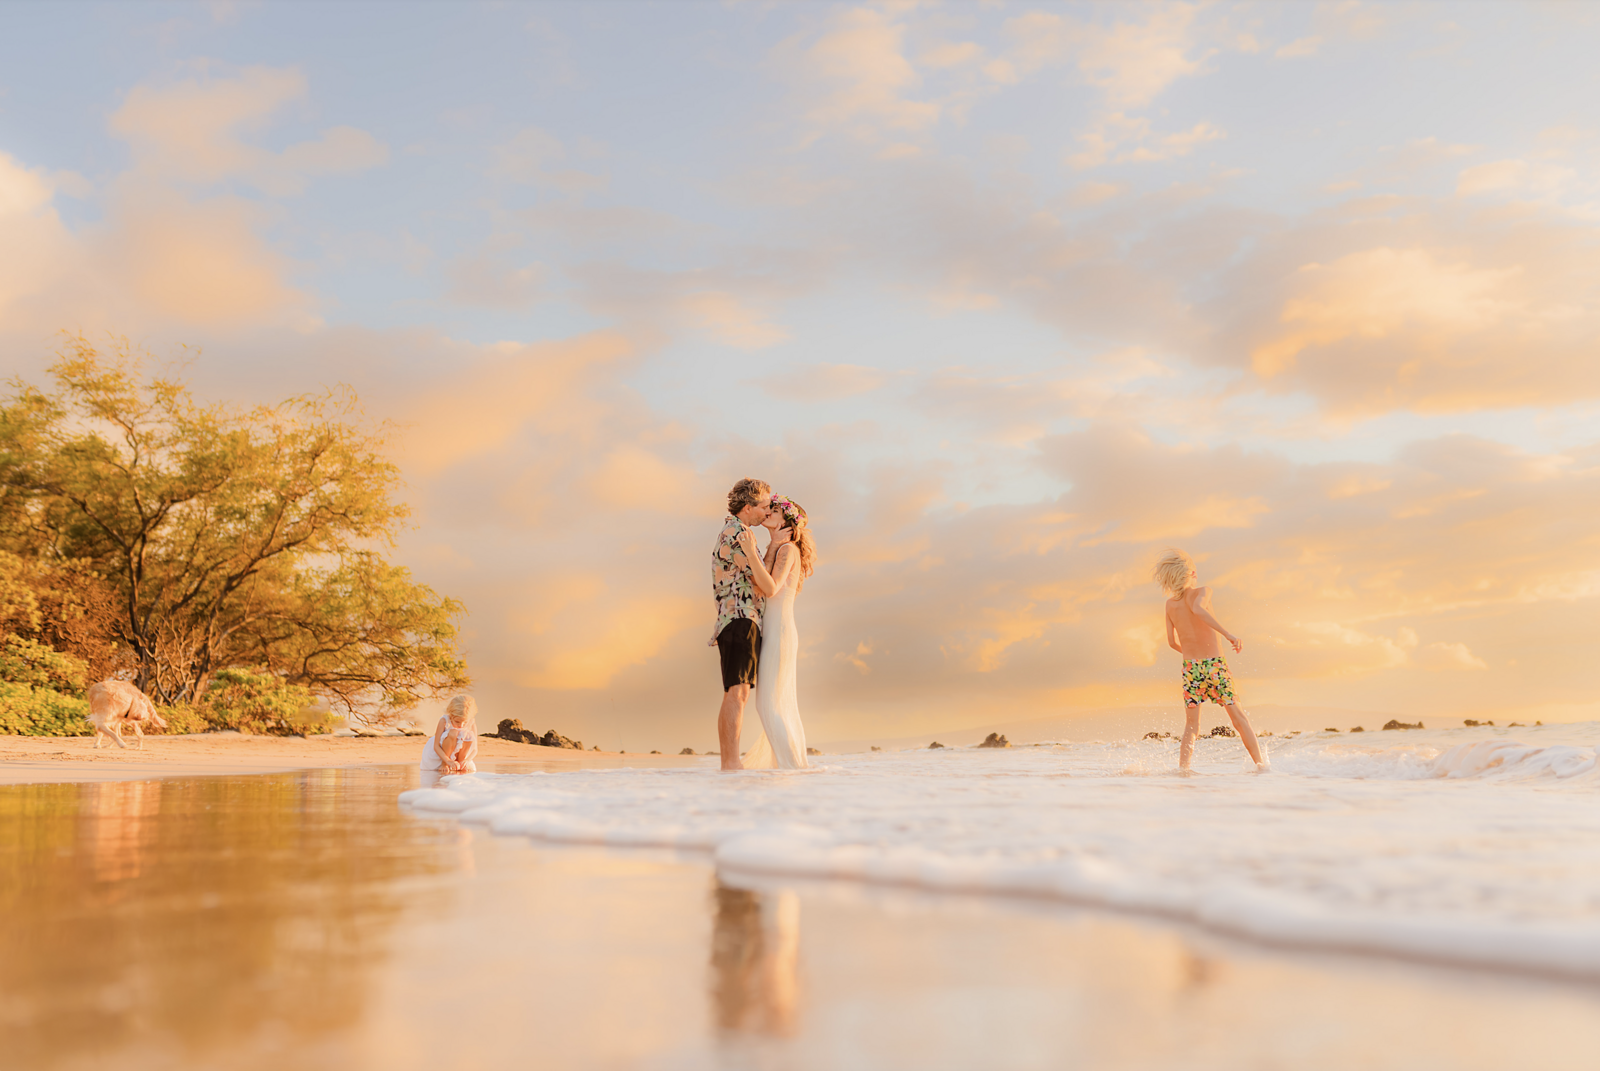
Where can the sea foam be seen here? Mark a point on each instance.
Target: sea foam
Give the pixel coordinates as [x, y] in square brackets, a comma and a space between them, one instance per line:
[1477, 847]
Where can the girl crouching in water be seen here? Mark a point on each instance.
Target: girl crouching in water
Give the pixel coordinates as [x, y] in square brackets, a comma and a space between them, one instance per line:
[454, 743]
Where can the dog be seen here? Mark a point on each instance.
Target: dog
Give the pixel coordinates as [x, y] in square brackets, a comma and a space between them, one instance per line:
[113, 704]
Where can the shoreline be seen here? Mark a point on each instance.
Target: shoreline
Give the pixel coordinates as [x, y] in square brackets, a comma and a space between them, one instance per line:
[28, 760]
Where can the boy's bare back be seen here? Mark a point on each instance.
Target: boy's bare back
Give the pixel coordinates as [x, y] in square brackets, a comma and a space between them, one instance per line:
[1187, 614]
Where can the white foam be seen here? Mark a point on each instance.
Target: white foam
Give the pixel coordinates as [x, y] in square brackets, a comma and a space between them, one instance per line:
[1468, 846]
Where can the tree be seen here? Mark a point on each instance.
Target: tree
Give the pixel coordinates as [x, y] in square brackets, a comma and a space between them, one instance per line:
[234, 538]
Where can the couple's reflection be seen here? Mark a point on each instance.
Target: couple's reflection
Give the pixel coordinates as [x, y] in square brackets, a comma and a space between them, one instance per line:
[755, 945]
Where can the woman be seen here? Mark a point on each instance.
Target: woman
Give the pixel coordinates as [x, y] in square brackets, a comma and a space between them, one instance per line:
[791, 557]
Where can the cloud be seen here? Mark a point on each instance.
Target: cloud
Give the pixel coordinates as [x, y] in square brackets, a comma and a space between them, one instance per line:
[193, 131]
[1300, 46]
[864, 78]
[487, 277]
[730, 304]
[823, 382]
[200, 262]
[1119, 138]
[1377, 293]
[532, 157]
[1131, 62]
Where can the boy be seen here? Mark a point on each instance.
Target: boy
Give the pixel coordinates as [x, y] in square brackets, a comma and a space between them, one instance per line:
[1192, 632]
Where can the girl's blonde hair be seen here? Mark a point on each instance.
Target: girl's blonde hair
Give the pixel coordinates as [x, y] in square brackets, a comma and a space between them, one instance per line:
[1172, 571]
[463, 706]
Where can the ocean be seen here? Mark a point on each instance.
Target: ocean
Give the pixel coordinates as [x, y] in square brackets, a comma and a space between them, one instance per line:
[1477, 847]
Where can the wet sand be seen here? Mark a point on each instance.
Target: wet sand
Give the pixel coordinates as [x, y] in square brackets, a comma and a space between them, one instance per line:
[304, 920]
[56, 759]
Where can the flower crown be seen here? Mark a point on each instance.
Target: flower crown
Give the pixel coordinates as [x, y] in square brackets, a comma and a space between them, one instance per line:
[792, 517]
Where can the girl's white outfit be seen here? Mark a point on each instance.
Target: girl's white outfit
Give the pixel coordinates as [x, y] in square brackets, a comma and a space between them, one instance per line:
[469, 736]
[782, 743]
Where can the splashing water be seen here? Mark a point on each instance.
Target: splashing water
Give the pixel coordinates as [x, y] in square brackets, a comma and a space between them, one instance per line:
[1475, 846]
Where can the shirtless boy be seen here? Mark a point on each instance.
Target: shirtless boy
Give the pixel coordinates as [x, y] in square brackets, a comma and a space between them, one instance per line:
[1192, 632]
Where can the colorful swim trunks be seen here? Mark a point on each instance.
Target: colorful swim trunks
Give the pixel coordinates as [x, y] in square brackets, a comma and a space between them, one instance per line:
[1206, 680]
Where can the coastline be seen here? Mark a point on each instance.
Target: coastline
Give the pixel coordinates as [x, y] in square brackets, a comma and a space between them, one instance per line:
[59, 759]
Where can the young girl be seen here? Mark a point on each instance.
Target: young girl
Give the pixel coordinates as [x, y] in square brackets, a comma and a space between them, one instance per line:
[454, 743]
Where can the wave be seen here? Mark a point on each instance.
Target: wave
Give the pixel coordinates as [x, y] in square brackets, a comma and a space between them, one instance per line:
[1469, 853]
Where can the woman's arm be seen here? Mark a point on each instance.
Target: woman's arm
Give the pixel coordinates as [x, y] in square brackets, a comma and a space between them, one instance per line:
[783, 566]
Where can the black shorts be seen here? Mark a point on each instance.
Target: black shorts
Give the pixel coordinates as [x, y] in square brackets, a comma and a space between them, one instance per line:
[739, 646]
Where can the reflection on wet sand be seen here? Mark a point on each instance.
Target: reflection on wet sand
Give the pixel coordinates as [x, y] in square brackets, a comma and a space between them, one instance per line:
[113, 830]
[170, 923]
[755, 947]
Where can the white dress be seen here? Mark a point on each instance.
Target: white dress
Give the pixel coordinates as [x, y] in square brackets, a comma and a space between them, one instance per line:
[468, 736]
[782, 741]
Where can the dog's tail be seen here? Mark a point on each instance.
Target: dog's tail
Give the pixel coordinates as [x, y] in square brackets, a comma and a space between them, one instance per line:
[147, 712]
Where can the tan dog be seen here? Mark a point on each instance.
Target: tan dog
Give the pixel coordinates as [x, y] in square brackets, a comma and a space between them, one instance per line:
[113, 704]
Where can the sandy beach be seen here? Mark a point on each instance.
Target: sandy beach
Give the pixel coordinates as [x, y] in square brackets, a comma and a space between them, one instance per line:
[58, 759]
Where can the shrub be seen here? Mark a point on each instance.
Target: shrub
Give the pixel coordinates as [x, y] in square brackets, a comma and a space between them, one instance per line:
[29, 711]
[182, 718]
[32, 663]
[262, 703]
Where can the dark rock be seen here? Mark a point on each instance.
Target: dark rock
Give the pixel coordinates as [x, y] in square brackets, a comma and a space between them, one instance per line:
[934, 745]
[1471, 724]
[1516, 725]
[877, 749]
[1358, 729]
[595, 748]
[1394, 723]
[653, 752]
[1153, 735]
[1538, 723]
[812, 751]
[687, 751]
[1222, 730]
[1330, 729]
[995, 740]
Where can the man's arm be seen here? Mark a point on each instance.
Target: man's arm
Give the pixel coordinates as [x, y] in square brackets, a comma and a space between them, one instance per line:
[758, 568]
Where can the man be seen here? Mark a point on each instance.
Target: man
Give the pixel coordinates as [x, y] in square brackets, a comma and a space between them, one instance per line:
[738, 578]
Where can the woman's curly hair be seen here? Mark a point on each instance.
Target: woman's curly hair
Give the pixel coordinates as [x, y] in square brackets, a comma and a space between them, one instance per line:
[794, 518]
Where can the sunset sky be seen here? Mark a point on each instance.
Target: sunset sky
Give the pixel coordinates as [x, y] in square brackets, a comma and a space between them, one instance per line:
[1010, 296]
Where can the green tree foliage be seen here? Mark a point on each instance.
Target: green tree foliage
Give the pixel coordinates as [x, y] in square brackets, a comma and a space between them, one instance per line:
[63, 605]
[30, 711]
[231, 538]
[25, 661]
[262, 703]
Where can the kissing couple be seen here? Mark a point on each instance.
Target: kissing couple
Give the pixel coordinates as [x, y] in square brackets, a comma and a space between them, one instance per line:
[755, 635]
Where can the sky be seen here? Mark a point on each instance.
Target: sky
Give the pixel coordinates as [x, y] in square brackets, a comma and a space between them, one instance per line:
[1010, 296]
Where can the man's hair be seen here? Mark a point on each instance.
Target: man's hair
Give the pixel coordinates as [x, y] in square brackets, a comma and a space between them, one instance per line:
[747, 492]
[1172, 571]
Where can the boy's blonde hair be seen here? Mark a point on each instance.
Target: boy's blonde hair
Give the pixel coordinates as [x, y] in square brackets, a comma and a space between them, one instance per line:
[462, 706]
[1172, 571]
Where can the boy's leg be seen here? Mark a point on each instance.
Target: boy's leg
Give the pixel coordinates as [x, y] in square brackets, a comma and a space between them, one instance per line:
[1241, 723]
[1191, 729]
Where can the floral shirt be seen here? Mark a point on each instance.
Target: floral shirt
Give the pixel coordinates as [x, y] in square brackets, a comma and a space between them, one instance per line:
[731, 582]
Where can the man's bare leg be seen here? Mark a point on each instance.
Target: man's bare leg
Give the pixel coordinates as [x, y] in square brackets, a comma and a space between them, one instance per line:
[1241, 723]
[729, 721]
[1191, 729]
